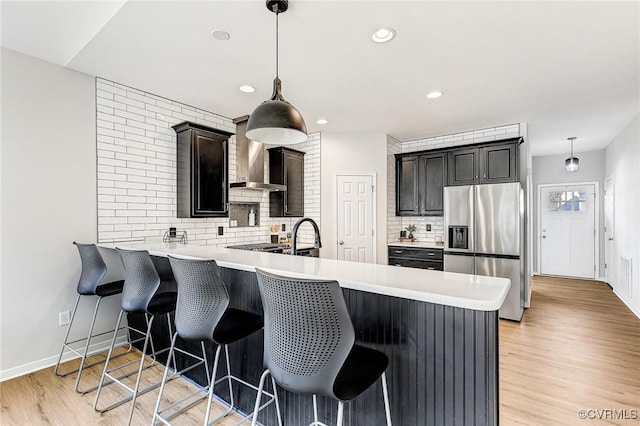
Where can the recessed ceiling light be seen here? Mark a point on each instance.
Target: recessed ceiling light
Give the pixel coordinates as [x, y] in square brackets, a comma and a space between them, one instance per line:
[322, 121]
[220, 35]
[383, 35]
[247, 89]
[434, 95]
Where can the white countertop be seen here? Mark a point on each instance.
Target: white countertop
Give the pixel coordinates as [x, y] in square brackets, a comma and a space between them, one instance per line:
[419, 244]
[444, 288]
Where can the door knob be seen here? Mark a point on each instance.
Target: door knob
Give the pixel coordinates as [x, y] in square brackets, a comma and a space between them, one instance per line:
[341, 242]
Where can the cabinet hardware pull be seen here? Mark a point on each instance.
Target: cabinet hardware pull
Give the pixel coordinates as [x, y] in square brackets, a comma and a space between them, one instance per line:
[398, 251]
[431, 254]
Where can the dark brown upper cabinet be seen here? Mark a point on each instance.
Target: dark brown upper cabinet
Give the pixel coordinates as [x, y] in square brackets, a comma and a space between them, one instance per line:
[420, 181]
[498, 164]
[487, 163]
[286, 167]
[202, 171]
[407, 201]
[463, 167]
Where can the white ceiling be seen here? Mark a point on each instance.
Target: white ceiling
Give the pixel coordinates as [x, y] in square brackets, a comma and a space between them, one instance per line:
[565, 68]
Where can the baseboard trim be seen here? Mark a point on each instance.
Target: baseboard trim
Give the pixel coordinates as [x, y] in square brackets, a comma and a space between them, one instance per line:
[30, 367]
[631, 308]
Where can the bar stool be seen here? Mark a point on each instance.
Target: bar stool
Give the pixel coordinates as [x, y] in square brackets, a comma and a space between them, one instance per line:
[139, 296]
[203, 314]
[90, 284]
[309, 344]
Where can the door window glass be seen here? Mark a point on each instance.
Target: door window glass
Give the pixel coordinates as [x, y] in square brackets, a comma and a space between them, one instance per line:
[563, 201]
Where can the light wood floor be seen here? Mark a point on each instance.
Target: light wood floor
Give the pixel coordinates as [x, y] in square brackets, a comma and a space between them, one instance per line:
[42, 398]
[578, 347]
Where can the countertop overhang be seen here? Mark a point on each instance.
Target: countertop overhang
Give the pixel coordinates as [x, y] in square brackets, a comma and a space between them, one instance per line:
[474, 292]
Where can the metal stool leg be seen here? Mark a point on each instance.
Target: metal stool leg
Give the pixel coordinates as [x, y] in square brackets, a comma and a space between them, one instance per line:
[86, 348]
[340, 413]
[229, 377]
[137, 386]
[66, 338]
[212, 383]
[275, 397]
[164, 379]
[385, 394]
[106, 362]
[254, 419]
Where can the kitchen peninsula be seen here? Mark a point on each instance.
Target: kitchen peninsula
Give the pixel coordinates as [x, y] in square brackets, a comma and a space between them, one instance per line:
[439, 330]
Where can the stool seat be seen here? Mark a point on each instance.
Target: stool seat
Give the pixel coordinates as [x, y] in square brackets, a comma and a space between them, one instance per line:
[109, 289]
[235, 325]
[362, 368]
[162, 303]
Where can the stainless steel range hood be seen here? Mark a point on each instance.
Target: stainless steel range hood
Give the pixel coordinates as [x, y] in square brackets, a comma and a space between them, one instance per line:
[250, 162]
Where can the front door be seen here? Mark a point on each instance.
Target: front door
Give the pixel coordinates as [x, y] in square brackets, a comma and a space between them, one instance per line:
[567, 230]
[355, 215]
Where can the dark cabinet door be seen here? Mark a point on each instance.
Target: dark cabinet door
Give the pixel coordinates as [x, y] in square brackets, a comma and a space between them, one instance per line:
[286, 167]
[498, 164]
[209, 175]
[463, 167]
[202, 171]
[407, 186]
[294, 179]
[433, 177]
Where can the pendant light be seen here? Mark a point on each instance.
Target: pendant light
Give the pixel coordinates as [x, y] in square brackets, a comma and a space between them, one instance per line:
[276, 121]
[572, 163]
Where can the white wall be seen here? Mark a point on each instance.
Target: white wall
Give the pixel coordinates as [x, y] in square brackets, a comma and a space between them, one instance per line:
[352, 152]
[48, 200]
[622, 160]
[551, 169]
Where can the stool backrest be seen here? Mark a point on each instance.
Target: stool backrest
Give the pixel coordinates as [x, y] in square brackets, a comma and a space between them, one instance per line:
[93, 268]
[307, 332]
[141, 280]
[202, 297]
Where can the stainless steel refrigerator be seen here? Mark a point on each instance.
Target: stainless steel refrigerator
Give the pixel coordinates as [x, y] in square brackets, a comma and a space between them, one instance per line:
[484, 235]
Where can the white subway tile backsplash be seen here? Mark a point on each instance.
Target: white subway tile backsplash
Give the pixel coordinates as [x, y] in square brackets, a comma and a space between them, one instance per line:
[136, 149]
[126, 99]
[110, 103]
[140, 96]
[462, 138]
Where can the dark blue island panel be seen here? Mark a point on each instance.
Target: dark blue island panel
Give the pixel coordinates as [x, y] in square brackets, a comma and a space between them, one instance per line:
[443, 366]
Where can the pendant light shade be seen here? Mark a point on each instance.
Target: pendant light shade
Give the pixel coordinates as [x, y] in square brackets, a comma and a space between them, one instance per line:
[276, 121]
[572, 163]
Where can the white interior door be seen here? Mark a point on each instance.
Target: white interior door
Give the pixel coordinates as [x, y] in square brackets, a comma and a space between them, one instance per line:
[355, 217]
[609, 230]
[567, 230]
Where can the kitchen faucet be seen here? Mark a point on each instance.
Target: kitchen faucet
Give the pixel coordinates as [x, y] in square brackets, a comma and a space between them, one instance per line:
[294, 232]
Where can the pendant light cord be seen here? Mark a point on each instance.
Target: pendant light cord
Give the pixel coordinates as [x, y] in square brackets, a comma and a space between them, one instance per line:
[277, 52]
